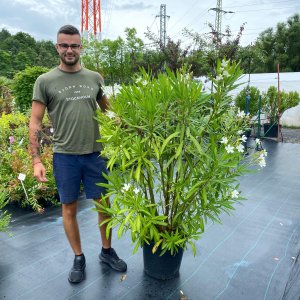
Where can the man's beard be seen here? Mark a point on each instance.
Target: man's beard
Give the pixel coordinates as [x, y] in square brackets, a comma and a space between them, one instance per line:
[68, 62]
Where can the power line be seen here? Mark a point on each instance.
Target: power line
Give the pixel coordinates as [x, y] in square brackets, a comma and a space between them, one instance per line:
[257, 4]
[197, 17]
[255, 10]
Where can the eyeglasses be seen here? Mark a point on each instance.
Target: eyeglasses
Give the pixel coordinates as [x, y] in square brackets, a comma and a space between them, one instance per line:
[72, 46]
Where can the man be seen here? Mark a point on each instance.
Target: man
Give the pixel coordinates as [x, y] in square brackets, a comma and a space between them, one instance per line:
[71, 93]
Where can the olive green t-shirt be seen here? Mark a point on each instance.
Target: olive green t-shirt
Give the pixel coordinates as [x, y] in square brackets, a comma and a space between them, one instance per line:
[70, 99]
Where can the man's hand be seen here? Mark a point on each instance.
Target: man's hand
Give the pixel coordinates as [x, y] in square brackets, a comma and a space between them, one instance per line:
[39, 172]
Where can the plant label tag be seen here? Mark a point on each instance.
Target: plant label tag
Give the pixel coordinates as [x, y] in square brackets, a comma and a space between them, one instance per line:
[21, 177]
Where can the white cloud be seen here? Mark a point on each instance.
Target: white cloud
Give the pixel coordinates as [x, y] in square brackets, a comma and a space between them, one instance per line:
[41, 19]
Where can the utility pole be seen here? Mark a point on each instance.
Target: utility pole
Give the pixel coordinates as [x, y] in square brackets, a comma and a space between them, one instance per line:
[163, 27]
[218, 20]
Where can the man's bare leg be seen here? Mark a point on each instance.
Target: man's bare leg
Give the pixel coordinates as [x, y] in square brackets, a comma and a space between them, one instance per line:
[69, 212]
[71, 226]
[108, 255]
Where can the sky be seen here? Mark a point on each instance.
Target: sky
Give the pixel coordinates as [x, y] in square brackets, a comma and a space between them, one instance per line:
[42, 18]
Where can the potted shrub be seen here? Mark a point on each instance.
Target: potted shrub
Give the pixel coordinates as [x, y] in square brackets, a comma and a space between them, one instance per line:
[174, 154]
[270, 106]
[252, 107]
[240, 99]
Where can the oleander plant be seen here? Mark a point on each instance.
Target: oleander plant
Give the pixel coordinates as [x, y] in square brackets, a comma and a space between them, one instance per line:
[175, 155]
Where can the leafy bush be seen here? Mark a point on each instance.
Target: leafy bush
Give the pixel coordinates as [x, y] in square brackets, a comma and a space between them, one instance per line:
[270, 102]
[6, 98]
[240, 100]
[15, 159]
[4, 216]
[22, 86]
[175, 154]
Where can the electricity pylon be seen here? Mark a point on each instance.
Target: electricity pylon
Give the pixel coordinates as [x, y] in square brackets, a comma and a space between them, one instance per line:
[91, 18]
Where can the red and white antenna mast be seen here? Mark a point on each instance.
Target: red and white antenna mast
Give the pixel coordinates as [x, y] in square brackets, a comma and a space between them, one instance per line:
[91, 18]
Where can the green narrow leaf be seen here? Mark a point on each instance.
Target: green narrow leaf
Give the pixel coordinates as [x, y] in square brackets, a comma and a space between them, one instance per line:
[193, 247]
[126, 153]
[136, 247]
[120, 230]
[154, 249]
[204, 198]
[156, 151]
[138, 223]
[169, 162]
[167, 140]
[138, 172]
[179, 150]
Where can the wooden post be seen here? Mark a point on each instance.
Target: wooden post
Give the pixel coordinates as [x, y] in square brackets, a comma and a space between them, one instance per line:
[278, 105]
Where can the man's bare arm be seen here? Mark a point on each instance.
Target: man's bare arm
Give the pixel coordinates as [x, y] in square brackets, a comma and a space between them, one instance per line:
[35, 130]
[103, 102]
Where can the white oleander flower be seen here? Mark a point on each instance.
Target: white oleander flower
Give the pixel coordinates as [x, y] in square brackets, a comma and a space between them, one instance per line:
[136, 191]
[257, 141]
[225, 73]
[110, 114]
[224, 140]
[220, 77]
[126, 187]
[265, 153]
[262, 161]
[240, 148]
[235, 194]
[224, 63]
[240, 132]
[229, 149]
[241, 114]
[144, 82]
[243, 138]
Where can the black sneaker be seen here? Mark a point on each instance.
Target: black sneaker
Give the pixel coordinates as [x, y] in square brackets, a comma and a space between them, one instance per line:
[113, 260]
[76, 274]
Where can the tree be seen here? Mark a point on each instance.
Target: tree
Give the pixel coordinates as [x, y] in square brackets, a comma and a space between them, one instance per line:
[22, 86]
[134, 49]
[293, 42]
[5, 63]
[173, 56]
[19, 50]
[279, 46]
[46, 54]
[4, 34]
[200, 48]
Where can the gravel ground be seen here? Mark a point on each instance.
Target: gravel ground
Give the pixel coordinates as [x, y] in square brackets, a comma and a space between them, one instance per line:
[288, 135]
[291, 135]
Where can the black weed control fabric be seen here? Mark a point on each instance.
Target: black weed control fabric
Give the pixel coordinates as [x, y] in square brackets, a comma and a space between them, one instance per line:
[252, 255]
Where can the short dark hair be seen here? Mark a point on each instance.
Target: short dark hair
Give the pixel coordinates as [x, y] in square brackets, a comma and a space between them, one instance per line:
[68, 29]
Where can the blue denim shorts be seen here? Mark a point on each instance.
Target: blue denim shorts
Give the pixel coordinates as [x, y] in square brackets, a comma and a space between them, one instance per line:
[71, 171]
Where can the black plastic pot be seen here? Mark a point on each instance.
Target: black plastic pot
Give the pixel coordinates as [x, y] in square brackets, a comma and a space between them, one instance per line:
[270, 130]
[161, 267]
